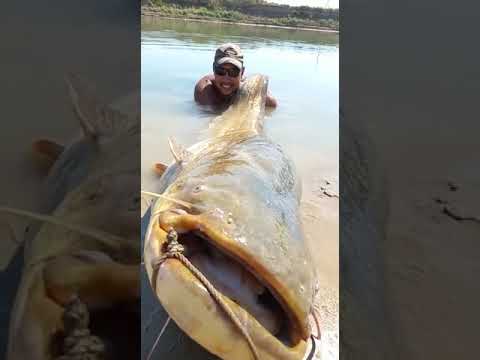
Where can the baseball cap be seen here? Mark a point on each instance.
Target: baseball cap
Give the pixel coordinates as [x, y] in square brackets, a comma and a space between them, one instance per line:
[229, 54]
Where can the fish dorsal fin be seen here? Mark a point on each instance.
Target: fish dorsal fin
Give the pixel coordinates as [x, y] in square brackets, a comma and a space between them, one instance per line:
[179, 152]
[159, 168]
[96, 118]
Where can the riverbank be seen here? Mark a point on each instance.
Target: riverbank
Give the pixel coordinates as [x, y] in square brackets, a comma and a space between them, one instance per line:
[233, 17]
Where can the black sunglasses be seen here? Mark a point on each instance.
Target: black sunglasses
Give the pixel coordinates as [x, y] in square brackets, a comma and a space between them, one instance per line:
[233, 72]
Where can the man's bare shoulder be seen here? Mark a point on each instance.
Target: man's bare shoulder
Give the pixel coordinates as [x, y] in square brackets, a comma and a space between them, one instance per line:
[204, 90]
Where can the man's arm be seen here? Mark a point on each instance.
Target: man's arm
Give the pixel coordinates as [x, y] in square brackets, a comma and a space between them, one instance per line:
[271, 101]
[203, 91]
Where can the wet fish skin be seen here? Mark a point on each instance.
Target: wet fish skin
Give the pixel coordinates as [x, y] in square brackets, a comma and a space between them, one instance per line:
[244, 188]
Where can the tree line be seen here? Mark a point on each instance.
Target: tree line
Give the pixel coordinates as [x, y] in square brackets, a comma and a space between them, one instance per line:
[259, 7]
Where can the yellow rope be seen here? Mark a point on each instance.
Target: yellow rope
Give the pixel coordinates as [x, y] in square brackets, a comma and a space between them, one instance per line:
[175, 251]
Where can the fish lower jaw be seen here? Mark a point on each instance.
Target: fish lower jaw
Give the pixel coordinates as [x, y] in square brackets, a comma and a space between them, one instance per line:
[192, 307]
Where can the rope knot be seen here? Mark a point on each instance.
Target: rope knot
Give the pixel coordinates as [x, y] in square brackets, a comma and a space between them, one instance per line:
[173, 246]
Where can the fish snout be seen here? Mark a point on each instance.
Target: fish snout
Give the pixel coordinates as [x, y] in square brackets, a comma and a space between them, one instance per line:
[175, 218]
[204, 243]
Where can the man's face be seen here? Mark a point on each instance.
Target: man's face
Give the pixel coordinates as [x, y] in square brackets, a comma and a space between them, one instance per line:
[224, 81]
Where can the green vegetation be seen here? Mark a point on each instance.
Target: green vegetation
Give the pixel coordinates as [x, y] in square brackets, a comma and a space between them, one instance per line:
[248, 11]
[199, 12]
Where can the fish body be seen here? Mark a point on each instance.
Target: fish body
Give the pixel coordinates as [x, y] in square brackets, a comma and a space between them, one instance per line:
[242, 230]
[93, 184]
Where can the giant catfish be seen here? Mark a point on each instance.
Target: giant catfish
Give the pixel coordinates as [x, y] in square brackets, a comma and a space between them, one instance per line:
[233, 201]
[88, 246]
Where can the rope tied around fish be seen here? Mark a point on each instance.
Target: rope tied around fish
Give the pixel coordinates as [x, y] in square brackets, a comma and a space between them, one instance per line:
[79, 343]
[175, 251]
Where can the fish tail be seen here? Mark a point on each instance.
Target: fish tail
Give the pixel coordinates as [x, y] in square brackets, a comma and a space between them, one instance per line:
[247, 111]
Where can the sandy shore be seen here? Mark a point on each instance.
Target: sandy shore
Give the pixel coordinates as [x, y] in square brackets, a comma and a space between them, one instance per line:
[320, 209]
[432, 252]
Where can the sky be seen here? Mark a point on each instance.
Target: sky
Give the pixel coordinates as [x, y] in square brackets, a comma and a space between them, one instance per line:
[315, 3]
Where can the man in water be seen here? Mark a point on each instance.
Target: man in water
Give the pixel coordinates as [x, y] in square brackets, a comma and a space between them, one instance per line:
[228, 68]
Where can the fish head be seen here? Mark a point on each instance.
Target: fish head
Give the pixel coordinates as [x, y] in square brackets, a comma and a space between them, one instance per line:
[110, 203]
[240, 228]
[109, 139]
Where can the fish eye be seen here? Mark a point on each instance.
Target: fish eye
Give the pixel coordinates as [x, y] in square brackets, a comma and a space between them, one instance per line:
[197, 189]
[92, 196]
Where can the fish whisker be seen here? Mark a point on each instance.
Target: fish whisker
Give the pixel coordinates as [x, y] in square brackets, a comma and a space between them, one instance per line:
[314, 314]
[106, 238]
[158, 338]
[179, 202]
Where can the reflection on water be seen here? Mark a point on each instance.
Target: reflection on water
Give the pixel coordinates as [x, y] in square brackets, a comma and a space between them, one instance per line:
[206, 32]
[303, 71]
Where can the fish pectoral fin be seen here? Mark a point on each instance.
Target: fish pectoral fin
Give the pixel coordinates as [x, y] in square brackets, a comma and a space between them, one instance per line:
[49, 150]
[179, 152]
[159, 168]
[96, 118]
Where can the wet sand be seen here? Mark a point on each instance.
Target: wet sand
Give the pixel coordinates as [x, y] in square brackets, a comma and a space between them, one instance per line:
[432, 252]
[431, 245]
[320, 211]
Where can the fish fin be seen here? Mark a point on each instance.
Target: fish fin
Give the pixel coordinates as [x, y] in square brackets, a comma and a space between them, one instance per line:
[95, 117]
[50, 149]
[179, 152]
[159, 168]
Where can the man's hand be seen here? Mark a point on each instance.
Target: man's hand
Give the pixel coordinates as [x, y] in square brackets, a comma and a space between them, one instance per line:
[270, 101]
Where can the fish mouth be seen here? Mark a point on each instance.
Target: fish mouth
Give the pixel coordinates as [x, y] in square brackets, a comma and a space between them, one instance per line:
[254, 296]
